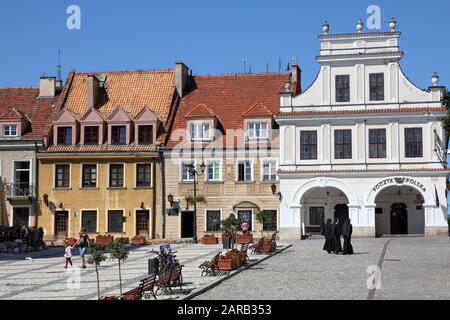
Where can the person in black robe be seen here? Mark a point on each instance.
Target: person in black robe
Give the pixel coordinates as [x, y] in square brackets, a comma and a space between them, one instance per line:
[336, 237]
[328, 233]
[347, 231]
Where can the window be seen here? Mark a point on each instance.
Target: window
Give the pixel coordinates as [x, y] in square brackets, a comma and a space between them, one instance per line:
[343, 88]
[316, 216]
[64, 136]
[116, 176]
[118, 135]
[245, 170]
[343, 144]
[89, 221]
[308, 145]
[185, 174]
[269, 170]
[89, 176]
[212, 220]
[10, 131]
[91, 135]
[271, 224]
[376, 86]
[143, 175]
[62, 176]
[377, 143]
[245, 215]
[413, 143]
[145, 134]
[115, 221]
[200, 131]
[22, 179]
[213, 168]
[257, 130]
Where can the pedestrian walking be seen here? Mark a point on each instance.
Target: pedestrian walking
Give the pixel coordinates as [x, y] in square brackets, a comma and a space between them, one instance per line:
[336, 233]
[347, 231]
[68, 256]
[83, 244]
[328, 233]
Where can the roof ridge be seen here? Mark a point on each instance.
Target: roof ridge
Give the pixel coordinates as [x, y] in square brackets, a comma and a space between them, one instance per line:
[126, 71]
[239, 75]
[357, 111]
[19, 88]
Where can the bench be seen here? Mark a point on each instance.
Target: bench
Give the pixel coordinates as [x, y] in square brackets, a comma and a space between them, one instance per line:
[257, 247]
[244, 252]
[164, 282]
[146, 285]
[210, 266]
[176, 278]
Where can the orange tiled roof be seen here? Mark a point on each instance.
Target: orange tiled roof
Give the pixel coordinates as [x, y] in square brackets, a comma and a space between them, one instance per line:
[201, 110]
[25, 101]
[368, 111]
[228, 96]
[102, 148]
[131, 90]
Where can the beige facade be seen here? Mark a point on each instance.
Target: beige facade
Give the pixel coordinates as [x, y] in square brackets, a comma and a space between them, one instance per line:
[228, 195]
[101, 199]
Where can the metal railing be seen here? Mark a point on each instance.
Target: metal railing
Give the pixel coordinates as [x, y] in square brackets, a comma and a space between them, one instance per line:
[19, 190]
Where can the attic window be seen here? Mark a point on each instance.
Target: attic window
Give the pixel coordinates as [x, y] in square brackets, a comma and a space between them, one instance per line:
[118, 135]
[10, 131]
[145, 135]
[64, 136]
[200, 131]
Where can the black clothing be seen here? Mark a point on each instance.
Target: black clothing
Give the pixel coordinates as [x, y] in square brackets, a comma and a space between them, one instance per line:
[84, 240]
[336, 238]
[328, 233]
[347, 232]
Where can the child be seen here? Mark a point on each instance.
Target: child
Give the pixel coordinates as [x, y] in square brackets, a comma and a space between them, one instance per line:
[68, 256]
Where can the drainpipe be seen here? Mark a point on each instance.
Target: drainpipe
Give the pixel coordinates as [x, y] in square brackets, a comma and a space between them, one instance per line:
[154, 199]
[36, 184]
[163, 193]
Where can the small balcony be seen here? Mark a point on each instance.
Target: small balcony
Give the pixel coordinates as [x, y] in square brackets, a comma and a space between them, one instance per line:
[19, 191]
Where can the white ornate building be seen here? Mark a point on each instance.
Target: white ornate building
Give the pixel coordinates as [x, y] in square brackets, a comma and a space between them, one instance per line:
[364, 142]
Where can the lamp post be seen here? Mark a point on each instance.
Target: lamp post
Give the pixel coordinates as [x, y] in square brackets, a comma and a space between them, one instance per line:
[193, 172]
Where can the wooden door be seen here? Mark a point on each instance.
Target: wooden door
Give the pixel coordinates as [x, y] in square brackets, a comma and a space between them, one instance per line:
[62, 224]
[399, 219]
[143, 223]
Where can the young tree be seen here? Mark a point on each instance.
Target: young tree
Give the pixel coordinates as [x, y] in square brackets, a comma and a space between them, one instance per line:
[97, 256]
[119, 252]
[263, 217]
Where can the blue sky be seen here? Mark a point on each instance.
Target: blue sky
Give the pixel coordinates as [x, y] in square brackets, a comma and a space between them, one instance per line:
[211, 37]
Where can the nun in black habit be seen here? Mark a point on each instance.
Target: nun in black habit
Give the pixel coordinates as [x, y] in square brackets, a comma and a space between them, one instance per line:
[328, 233]
[347, 231]
[336, 237]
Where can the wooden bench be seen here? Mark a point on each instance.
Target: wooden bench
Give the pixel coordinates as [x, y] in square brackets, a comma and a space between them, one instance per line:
[210, 266]
[176, 278]
[244, 252]
[257, 247]
[164, 282]
[146, 285]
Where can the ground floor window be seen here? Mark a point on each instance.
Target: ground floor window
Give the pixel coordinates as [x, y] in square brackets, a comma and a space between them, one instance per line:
[212, 220]
[115, 221]
[21, 217]
[89, 221]
[316, 216]
[246, 215]
[271, 223]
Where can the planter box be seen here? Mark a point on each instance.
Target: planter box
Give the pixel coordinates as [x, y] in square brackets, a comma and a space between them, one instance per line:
[138, 240]
[208, 240]
[70, 241]
[244, 238]
[228, 264]
[104, 239]
[269, 246]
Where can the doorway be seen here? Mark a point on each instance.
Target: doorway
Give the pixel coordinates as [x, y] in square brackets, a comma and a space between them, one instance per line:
[187, 224]
[399, 219]
[341, 213]
[142, 223]
[21, 217]
[62, 224]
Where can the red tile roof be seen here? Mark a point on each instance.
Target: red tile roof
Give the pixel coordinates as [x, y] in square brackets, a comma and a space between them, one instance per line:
[368, 111]
[200, 111]
[27, 104]
[101, 148]
[257, 110]
[230, 96]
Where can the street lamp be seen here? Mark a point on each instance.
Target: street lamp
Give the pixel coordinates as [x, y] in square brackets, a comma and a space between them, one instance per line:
[193, 172]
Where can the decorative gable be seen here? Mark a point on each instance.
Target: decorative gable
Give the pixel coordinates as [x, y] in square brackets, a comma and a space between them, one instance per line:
[119, 117]
[93, 118]
[15, 117]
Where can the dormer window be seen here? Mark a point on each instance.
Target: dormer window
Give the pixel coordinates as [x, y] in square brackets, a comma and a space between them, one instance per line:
[10, 131]
[257, 130]
[145, 134]
[91, 135]
[200, 131]
[64, 136]
[118, 135]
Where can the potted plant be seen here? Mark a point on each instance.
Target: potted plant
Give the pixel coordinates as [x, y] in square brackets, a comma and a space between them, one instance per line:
[138, 240]
[229, 227]
[209, 239]
[263, 217]
[104, 239]
[228, 261]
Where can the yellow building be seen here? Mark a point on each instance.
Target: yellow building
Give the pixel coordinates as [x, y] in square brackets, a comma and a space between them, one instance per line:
[101, 170]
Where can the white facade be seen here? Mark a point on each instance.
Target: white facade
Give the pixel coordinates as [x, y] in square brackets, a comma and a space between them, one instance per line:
[390, 169]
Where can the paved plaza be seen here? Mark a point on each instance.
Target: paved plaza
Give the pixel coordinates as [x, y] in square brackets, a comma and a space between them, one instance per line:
[412, 268]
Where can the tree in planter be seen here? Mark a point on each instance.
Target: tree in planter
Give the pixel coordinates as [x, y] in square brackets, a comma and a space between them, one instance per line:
[97, 256]
[263, 217]
[119, 252]
[230, 225]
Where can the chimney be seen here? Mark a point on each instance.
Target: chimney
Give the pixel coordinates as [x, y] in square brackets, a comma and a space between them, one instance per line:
[296, 79]
[47, 87]
[93, 86]
[181, 76]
